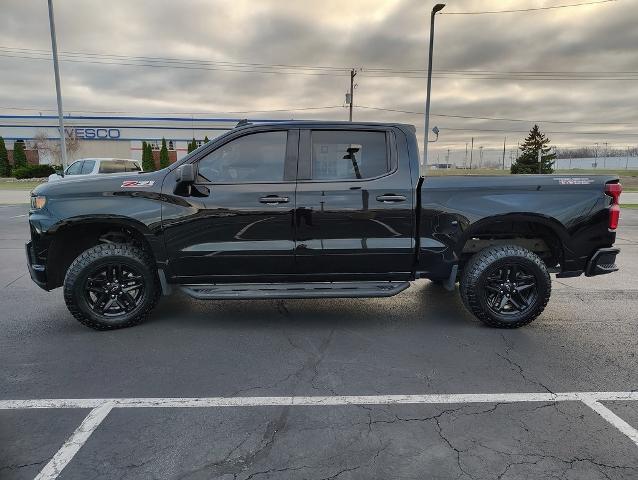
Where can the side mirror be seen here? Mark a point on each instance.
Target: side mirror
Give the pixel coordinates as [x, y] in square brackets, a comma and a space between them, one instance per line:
[185, 178]
[186, 174]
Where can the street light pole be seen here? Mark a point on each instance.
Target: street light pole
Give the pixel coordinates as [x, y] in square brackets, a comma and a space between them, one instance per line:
[437, 8]
[54, 49]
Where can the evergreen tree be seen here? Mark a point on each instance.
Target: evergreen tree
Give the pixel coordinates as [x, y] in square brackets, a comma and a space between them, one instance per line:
[147, 158]
[163, 160]
[192, 145]
[5, 168]
[527, 162]
[151, 157]
[19, 155]
[206, 140]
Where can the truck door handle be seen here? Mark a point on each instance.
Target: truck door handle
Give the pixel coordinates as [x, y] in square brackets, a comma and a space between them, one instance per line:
[273, 199]
[391, 198]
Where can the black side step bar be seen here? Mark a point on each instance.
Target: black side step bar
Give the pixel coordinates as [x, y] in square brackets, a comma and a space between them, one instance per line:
[240, 291]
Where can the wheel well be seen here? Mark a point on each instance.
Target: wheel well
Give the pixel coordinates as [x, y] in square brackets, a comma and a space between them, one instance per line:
[534, 236]
[71, 241]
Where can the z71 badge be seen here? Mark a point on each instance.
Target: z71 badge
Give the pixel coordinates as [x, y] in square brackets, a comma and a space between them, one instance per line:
[137, 183]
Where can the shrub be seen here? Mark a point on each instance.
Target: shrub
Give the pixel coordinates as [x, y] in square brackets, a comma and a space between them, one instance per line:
[33, 171]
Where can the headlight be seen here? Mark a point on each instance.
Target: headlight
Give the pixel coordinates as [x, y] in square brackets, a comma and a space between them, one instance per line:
[38, 202]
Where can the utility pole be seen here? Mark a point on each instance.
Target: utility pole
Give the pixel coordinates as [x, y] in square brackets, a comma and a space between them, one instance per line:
[353, 73]
[437, 8]
[480, 156]
[471, 153]
[540, 158]
[56, 70]
[465, 161]
[504, 140]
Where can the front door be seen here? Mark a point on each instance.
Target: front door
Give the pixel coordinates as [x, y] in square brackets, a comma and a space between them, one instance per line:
[241, 222]
[355, 207]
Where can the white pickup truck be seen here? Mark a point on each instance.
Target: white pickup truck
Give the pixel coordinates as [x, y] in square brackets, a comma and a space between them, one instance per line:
[97, 166]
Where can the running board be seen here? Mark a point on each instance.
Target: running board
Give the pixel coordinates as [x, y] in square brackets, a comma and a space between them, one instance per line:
[240, 291]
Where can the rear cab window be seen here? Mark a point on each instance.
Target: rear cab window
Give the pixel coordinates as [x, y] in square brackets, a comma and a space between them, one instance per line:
[112, 166]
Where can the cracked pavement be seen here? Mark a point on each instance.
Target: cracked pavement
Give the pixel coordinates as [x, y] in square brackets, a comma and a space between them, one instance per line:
[421, 341]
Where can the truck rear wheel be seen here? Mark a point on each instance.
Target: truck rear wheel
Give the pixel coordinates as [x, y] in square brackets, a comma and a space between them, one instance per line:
[111, 286]
[505, 286]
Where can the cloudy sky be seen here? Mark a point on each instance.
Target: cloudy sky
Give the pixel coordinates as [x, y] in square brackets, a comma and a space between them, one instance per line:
[575, 66]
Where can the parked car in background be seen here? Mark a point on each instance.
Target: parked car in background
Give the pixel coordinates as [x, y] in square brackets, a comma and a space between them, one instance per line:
[98, 166]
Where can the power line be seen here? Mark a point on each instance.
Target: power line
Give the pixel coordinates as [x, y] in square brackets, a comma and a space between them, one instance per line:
[528, 9]
[494, 118]
[527, 131]
[71, 109]
[246, 67]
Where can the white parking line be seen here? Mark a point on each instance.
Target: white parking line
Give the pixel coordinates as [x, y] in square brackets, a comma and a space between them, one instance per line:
[63, 456]
[614, 419]
[102, 406]
[317, 400]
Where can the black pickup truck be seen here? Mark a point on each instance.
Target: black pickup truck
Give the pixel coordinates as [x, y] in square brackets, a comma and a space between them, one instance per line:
[316, 210]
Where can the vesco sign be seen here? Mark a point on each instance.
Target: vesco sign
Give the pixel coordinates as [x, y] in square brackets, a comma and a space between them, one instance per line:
[93, 133]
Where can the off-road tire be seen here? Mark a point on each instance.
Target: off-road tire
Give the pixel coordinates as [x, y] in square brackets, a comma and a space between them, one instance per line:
[473, 280]
[106, 253]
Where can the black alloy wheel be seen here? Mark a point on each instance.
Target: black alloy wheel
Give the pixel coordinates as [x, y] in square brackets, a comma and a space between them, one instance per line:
[509, 289]
[114, 289]
[111, 286]
[505, 286]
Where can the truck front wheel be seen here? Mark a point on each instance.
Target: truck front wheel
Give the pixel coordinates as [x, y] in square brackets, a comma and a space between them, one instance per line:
[505, 286]
[111, 286]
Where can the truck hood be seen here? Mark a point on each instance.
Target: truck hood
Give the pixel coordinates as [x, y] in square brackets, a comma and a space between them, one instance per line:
[148, 181]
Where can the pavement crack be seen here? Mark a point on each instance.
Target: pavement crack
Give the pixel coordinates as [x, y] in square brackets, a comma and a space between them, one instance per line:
[20, 465]
[517, 367]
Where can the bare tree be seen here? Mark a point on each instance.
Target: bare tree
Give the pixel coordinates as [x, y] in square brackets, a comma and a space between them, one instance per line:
[52, 149]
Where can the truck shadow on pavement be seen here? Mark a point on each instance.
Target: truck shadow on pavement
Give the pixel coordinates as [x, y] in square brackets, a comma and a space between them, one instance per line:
[424, 303]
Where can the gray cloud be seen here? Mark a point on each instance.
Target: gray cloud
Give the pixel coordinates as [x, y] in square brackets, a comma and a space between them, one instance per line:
[365, 33]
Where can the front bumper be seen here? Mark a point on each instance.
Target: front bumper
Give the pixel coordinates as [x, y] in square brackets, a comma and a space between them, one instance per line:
[602, 262]
[37, 271]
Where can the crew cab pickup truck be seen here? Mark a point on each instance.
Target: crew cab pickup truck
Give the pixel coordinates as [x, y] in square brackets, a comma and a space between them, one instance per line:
[316, 210]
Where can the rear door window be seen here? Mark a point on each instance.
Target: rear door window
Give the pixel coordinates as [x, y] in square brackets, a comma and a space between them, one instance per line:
[348, 155]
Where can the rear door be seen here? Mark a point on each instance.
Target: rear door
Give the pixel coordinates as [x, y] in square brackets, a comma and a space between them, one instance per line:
[239, 223]
[354, 213]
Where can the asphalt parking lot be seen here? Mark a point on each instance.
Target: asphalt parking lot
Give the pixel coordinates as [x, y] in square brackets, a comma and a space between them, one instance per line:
[406, 387]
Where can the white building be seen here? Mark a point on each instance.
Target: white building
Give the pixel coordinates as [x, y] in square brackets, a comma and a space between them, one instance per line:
[111, 136]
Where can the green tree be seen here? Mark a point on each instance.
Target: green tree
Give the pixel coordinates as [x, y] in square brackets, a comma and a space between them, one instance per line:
[151, 157]
[527, 161]
[206, 140]
[147, 158]
[192, 145]
[19, 155]
[163, 160]
[5, 168]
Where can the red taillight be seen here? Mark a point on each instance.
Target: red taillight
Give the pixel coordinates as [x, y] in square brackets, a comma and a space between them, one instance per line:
[614, 190]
